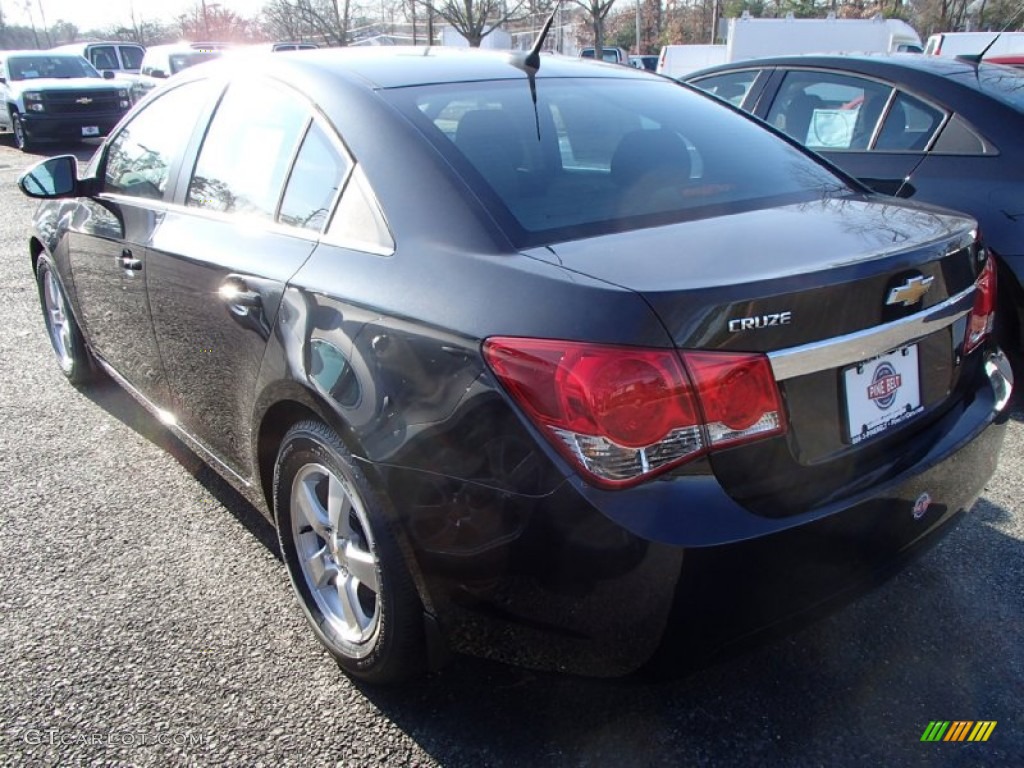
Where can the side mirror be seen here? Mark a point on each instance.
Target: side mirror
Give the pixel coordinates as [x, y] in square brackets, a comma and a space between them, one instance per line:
[56, 177]
[108, 75]
[157, 73]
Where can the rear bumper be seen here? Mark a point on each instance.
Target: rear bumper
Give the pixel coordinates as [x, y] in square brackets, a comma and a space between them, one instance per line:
[68, 126]
[597, 582]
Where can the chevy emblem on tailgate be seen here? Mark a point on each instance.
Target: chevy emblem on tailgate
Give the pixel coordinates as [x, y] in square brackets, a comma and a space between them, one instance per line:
[910, 292]
[83, 100]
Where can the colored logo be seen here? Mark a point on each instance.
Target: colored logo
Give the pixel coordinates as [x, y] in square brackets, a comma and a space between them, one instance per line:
[958, 730]
[884, 385]
[910, 292]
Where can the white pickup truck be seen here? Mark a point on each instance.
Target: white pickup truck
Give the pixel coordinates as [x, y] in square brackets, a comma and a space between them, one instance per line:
[48, 95]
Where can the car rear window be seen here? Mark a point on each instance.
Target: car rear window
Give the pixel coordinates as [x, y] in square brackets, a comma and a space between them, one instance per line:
[607, 155]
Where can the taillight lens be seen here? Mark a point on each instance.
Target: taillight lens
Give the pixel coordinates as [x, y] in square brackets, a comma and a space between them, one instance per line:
[983, 315]
[623, 414]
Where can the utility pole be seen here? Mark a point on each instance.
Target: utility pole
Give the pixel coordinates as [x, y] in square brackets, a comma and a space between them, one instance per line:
[638, 51]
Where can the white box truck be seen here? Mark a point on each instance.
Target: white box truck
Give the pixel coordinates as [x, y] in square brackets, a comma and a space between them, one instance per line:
[751, 38]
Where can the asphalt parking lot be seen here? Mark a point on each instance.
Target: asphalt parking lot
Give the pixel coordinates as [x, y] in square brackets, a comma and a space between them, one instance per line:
[146, 619]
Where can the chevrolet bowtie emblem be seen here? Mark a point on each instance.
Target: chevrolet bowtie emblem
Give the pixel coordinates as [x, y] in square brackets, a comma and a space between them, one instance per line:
[83, 100]
[910, 292]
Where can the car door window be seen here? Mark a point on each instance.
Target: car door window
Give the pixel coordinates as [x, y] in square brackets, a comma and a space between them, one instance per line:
[139, 158]
[909, 125]
[829, 111]
[731, 86]
[248, 150]
[319, 171]
[131, 56]
[103, 57]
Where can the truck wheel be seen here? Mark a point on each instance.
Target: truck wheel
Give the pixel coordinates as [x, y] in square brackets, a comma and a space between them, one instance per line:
[21, 139]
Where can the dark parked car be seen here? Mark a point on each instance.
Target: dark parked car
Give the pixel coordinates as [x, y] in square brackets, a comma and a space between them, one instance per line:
[939, 130]
[556, 366]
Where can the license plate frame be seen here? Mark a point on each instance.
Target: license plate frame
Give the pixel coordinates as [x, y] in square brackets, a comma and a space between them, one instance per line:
[881, 393]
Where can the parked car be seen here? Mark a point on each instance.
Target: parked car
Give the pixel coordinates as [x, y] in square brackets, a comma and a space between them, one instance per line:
[117, 57]
[644, 61]
[164, 61]
[488, 418]
[939, 130]
[47, 95]
[1010, 61]
[610, 54]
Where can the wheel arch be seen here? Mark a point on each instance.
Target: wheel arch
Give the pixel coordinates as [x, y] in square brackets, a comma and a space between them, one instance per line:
[288, 403]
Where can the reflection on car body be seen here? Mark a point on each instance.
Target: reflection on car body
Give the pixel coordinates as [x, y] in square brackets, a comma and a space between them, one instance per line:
[513, 416]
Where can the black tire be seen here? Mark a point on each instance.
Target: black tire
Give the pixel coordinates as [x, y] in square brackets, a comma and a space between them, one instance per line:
[21, 139]
[69, 346]
[344, 561]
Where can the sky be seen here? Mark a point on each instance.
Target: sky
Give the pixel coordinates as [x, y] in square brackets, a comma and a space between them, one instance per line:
[92, 14]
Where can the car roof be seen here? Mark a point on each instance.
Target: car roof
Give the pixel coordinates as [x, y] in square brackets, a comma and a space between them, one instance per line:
[398, 66]
[937, 65]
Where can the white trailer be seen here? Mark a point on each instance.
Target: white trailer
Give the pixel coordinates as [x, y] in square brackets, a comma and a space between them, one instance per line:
[750, 38]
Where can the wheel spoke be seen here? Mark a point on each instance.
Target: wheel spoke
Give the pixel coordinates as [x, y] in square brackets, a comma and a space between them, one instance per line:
[338, 507]
[362, 565]
[352, 613]
[310, 508]
[320, 571]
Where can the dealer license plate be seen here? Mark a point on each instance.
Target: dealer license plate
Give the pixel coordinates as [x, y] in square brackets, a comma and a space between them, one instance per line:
[90, 130]
[882, 393]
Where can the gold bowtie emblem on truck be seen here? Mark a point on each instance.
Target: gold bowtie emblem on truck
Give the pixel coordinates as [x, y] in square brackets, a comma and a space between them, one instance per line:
[83, 100]
[910, 292]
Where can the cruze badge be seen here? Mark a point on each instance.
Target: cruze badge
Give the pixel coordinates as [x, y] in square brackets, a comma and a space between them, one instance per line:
[761, 321]
[910, 292]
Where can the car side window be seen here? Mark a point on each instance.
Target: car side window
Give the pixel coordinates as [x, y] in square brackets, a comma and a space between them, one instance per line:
[138, 159]
[958, 138]
[319, 171]
[827, 110]
[248, 150]
[359, 222]
[730, 86]
[909, 125]
[103, 57]
[131, 56]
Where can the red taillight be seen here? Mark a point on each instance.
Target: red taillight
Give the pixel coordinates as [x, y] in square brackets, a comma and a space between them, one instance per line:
[738, 394]
[622, 414]
[983, 314]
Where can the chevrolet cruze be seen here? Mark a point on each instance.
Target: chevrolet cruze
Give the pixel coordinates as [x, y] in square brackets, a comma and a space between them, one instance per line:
[546, 360]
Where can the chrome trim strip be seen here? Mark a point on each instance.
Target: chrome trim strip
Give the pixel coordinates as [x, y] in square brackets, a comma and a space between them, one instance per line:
[872, 342]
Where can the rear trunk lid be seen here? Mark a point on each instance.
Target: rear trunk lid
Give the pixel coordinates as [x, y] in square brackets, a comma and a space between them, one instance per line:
[861, 307]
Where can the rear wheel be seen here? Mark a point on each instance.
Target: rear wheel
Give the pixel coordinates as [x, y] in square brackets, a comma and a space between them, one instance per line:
[65, 336]
[344, 562]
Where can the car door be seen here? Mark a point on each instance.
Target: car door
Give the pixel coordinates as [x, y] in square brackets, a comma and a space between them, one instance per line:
[221, 259]
[874, 131]
[108, 235]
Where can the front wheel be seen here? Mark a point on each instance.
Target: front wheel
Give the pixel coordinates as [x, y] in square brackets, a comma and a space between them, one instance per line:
[65, 336]
[343, 559]
[21, 139]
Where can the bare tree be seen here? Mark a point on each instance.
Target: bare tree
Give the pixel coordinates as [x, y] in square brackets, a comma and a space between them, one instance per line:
[597, 12]
[474, 20]
[327, 20]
